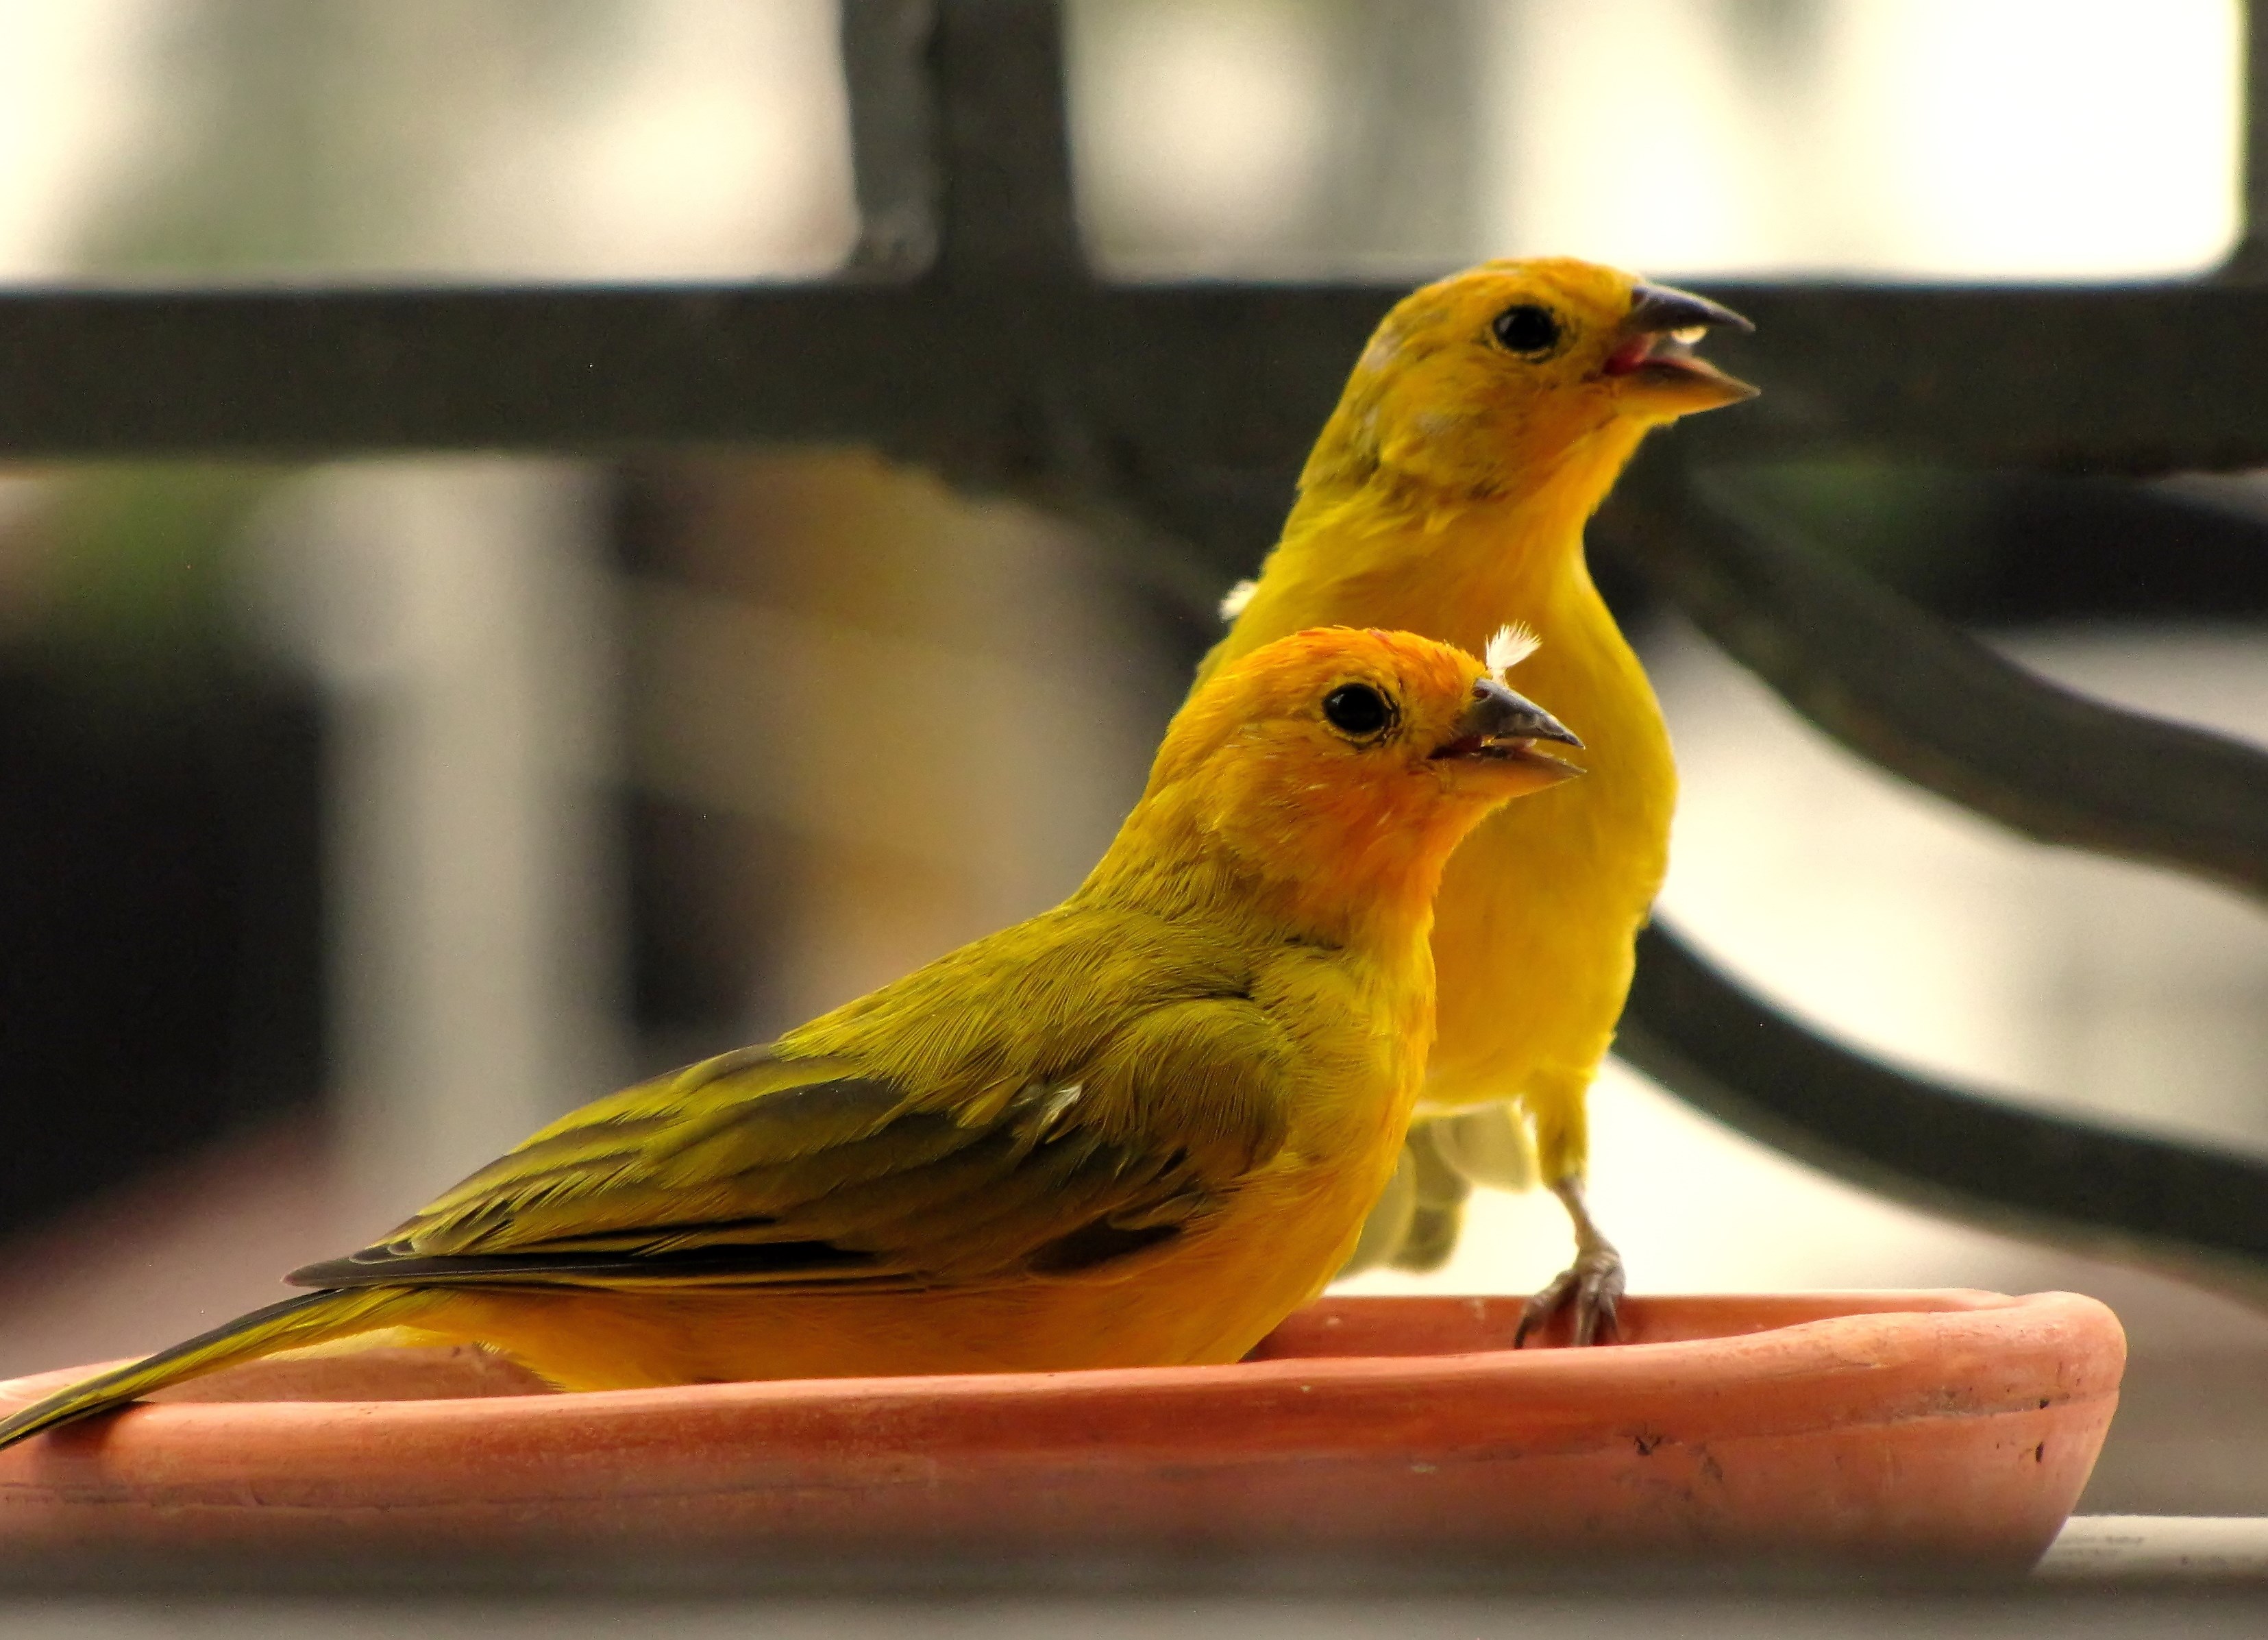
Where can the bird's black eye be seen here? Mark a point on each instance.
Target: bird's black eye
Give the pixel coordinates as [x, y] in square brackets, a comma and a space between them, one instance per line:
[1358, 709]
[1529, 330]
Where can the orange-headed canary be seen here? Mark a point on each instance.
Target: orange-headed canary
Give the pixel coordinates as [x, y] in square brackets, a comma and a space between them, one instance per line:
[1483, 425]
[1136, 1130]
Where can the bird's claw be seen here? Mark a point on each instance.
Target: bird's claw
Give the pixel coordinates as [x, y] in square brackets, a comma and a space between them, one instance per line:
[1595, 1283]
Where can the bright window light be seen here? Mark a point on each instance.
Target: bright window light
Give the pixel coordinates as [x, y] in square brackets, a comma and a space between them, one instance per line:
[1957, 138]
[194, 140]
[1967, 139]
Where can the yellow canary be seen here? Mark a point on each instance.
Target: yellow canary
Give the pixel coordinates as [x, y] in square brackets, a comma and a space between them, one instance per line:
[1138, 1129]
[1483, 425]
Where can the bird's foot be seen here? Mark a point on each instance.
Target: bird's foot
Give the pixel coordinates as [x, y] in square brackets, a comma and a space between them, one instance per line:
[1593, 1285]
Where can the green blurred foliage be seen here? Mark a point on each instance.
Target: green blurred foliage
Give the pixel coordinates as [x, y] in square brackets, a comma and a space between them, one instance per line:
[1919, 528]
[135, 588]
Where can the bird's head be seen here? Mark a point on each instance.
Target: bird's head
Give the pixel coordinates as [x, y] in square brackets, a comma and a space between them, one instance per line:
[1346, 765]
[1485, 382]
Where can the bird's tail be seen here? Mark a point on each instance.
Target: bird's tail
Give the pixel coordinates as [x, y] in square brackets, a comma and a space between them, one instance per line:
[295, 1323]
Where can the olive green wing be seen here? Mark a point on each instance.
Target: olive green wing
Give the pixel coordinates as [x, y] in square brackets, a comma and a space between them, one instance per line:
[753, 1168]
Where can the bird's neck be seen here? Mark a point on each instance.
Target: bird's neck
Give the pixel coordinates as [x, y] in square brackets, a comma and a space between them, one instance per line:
[1351, 877]
[1518, 544]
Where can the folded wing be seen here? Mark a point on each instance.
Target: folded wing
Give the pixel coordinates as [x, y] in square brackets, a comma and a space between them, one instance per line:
[755, 1168]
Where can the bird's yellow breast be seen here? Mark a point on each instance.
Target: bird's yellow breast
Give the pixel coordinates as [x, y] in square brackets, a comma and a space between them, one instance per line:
[1537, 910]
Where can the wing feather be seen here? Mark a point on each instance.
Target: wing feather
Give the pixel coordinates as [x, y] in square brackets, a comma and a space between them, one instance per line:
[762, 1168]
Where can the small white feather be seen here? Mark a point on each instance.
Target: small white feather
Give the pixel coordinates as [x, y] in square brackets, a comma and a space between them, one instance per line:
[1239, 595]
[1058, 1103]
[1507, 647]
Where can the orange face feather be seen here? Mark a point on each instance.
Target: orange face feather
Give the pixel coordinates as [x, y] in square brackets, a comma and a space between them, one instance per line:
[1514, 374]
[1342, 767]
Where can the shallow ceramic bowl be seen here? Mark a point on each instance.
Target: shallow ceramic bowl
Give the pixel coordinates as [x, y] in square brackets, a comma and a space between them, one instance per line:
[1956, 1427]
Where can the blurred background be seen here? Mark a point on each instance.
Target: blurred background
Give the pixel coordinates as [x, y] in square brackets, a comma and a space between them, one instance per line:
[355, 818]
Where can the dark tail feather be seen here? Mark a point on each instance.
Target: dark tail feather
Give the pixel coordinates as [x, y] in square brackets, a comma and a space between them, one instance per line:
[293, 1324]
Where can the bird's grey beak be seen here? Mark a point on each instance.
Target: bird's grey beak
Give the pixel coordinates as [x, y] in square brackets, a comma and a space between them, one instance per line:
[1655, 308]
[1501, 726]
[1653, 353]
[1497, 714]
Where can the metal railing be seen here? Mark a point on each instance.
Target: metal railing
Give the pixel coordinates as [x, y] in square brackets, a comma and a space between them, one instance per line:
[970, 335]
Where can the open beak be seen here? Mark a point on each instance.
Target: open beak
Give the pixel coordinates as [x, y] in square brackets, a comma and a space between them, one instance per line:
[1653, 349]
[1500, 726]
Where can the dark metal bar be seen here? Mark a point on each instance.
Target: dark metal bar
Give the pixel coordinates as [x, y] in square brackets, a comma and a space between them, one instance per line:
[893, 136]
[1924, 700]
[2141, 379]
[2026, 1172]
[1009, 211]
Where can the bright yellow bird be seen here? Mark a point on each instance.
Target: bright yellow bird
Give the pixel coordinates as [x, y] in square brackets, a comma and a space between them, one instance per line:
[1138, 1129]
[1483, 425]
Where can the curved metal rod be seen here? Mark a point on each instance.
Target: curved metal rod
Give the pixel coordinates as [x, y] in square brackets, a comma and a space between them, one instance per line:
[1920, 698]
[2029, 1172]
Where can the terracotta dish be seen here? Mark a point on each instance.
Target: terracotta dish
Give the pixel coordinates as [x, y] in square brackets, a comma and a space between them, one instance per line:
[1956, 1427]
